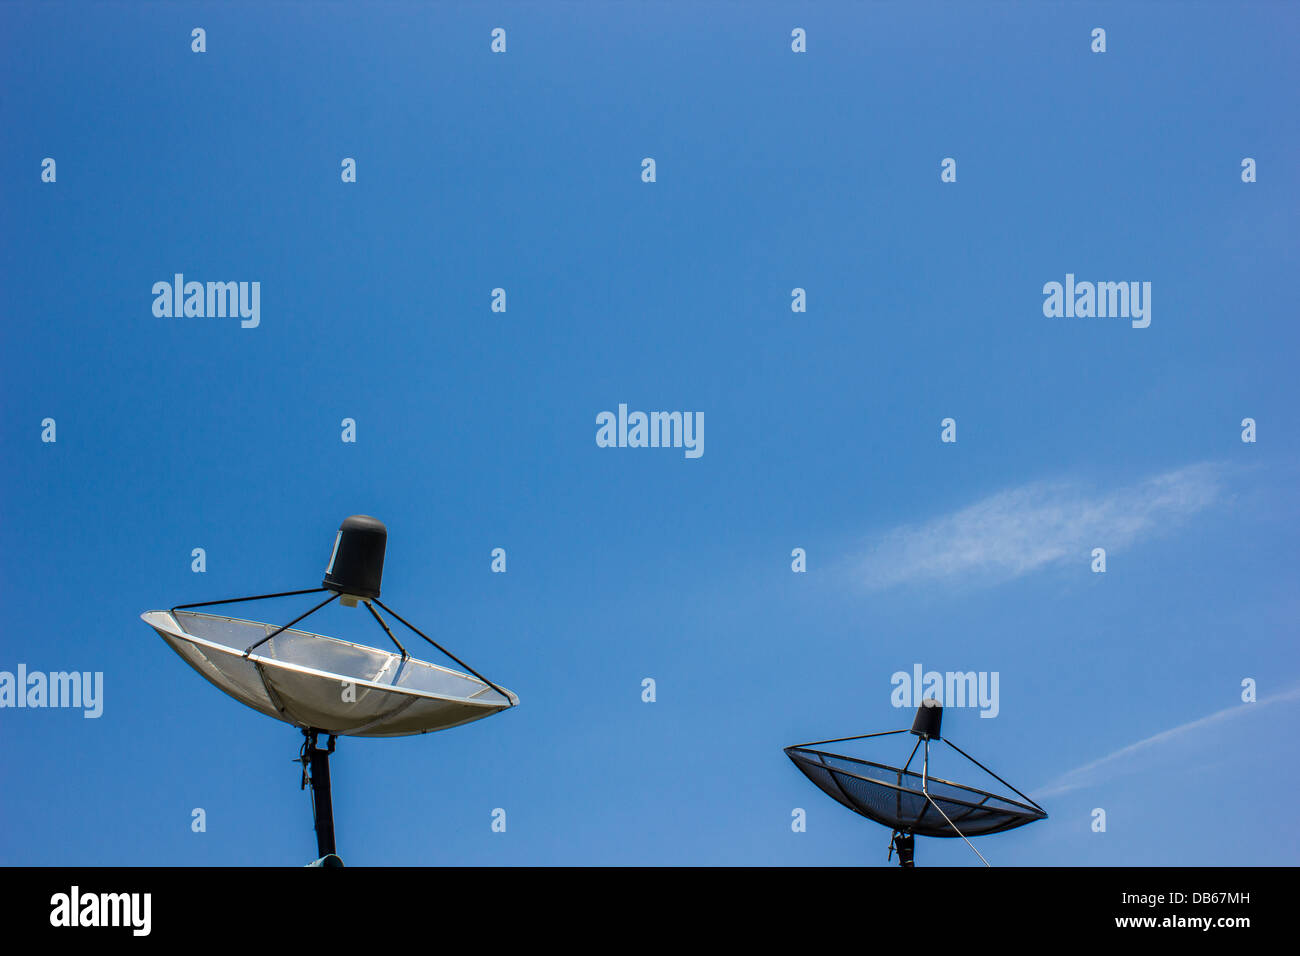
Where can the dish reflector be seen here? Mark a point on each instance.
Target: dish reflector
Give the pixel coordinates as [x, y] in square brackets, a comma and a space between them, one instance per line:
[892, 796]
[323, 683]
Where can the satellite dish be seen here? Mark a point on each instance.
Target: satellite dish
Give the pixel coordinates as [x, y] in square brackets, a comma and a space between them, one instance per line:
[328, 686]
[914, 804]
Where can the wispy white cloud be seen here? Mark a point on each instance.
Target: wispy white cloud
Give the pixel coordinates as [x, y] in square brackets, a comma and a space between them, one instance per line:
[1091, 773]
[1030, 527]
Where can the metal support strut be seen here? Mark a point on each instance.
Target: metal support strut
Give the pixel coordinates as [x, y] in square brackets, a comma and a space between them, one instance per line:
[316, 771]
[925, 789]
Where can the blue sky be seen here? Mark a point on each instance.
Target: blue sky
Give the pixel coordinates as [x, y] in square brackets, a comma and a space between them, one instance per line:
[476, 429]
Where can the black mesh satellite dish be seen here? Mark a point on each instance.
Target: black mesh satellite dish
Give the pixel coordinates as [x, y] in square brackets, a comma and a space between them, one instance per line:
[327, 686]
[914, 804]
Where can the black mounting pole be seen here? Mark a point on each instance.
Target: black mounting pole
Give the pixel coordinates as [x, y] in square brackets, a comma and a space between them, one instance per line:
[316, 767]
[905, 846]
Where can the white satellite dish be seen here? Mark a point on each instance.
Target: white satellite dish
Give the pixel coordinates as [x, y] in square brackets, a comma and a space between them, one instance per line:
[333, 686]
[324, 685]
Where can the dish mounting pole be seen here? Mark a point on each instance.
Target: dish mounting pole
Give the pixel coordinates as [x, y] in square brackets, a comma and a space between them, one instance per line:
[316, 771]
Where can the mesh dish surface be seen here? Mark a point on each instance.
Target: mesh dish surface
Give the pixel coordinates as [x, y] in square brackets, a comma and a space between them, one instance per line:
[892, 796]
